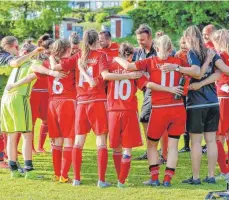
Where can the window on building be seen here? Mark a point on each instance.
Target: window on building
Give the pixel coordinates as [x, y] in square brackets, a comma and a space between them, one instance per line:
[69, 27]
[99, 4]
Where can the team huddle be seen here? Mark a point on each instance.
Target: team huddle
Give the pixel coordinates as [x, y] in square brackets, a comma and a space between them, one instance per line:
[76, 88]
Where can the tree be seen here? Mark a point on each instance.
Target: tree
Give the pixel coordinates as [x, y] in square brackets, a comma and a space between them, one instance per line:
[177, 16]
[31, 18]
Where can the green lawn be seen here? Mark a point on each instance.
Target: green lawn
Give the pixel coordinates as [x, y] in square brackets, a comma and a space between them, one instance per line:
[47, 190]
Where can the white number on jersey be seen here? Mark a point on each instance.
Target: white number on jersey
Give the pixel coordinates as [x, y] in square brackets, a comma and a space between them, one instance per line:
[118, 92]
[58, 84]
[163, 78]
[89, 71]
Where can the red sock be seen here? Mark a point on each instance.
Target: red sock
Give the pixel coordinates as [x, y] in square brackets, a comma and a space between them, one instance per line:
[102, 162]
[43, 135]
[221, 158]
[66, 161]
[154, 172]
[18, 138]
[77, 161]
[117, 157]
[169, 173]
[1, 148]
[165, 145]
[56, 159]
[125, 168]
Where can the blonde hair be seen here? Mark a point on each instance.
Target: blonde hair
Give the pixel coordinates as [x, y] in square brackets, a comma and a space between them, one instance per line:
[8, 40]
[164, 45]
[90, 38]
[59, 47]
[221, 37]
[196, 42]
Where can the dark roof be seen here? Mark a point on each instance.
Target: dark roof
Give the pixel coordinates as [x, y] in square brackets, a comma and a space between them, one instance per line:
[72, 19]
[119, 16]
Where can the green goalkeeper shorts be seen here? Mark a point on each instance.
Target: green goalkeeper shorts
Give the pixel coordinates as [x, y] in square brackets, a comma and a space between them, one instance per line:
[16, 114]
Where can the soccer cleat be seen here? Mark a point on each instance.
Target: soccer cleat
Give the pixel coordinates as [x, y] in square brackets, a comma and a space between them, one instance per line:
[121, 185]
[152, 183]
[222, 176]
[56, 178]
[15, 174]
[192, 181]
[166, 184]
[102, 184]
[209, 180]
[65, 180]
[142, 157]
[3, 165]
[32, 175]
[76, 183]
[184, 149]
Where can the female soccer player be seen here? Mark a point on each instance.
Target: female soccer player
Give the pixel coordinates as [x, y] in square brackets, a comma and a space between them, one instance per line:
[124, 130]
[16, 112]
[61, 110]
[39, 95]
[91, 108]
[221, 43]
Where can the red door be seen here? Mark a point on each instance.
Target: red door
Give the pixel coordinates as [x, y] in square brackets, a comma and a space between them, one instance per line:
[118, 28]
[57, 31]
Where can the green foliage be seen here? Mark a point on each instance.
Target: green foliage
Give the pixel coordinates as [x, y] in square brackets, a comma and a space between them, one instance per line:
[89, 17]
[127, 4]
[113, 10]
[89, 25]
[101, 17]
[177, 16]
[46, 189]
[30, 18]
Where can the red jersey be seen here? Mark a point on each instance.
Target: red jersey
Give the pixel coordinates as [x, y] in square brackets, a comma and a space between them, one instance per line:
[96, 64]
[112, 51]
[64, 88]
[182, 54]
[224, 79]
[122, 93]
[209, 45]
[41, 84]
[151, 65]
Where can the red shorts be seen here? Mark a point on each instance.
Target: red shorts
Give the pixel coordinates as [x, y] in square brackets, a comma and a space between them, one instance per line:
[171, 119]
[224, 117]
[91, 116]
[124, 129]
[61, 118]
[39, 105]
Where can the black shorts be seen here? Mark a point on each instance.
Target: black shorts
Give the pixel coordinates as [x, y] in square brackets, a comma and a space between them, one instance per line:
[146, 107]
[202, 120]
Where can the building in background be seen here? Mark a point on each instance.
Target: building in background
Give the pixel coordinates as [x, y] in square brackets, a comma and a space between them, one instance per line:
[64, 29]
[121, 26]
[94, 4]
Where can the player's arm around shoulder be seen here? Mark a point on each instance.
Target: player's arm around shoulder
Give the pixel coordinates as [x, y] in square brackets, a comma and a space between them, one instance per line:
[29, 78]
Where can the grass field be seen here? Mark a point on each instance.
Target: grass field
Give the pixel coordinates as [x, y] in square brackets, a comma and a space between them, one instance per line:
[45, 189]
